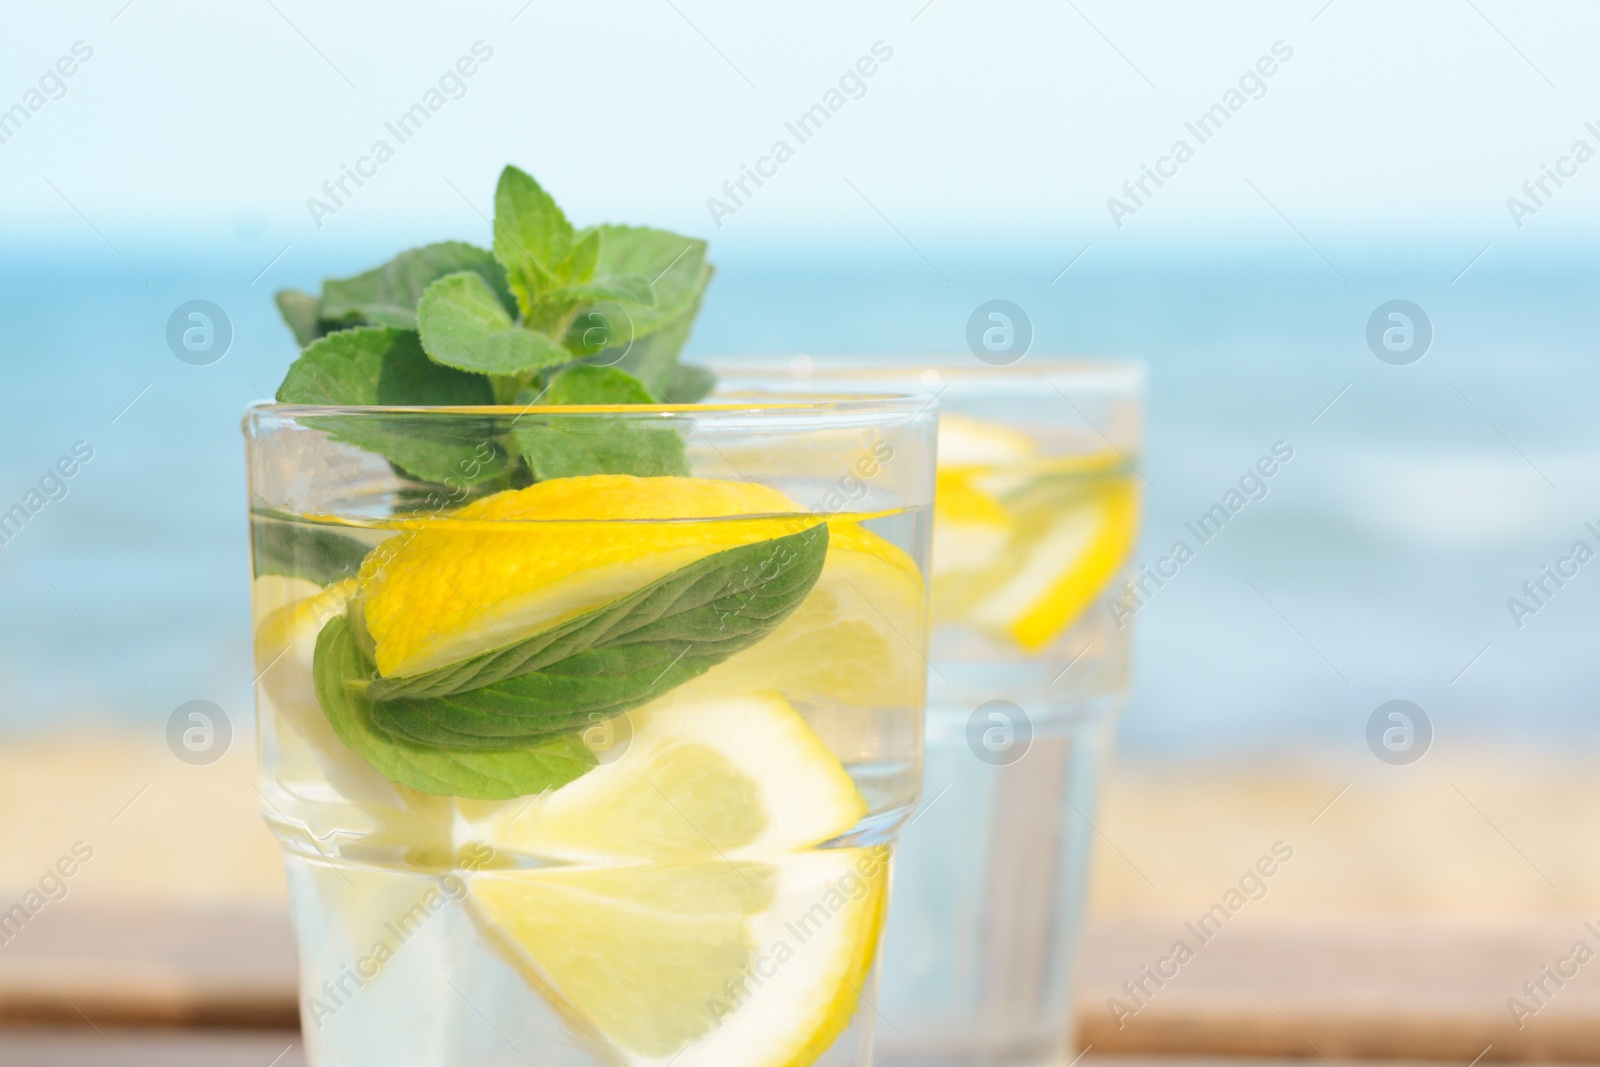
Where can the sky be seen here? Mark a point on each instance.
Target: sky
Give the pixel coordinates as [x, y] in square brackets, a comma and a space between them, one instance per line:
[1005, 120]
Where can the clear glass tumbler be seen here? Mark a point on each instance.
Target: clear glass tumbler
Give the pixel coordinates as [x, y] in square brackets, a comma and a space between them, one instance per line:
[587, 731]
[1034, 522]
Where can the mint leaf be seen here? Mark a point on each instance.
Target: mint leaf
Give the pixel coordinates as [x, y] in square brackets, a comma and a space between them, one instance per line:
[622, 297]
[583, 384]
[300, 311]
[620, 288]
[376, 365]
[531, 236]
[610, 659]
[321, 556]
[388, 295]
[688, 384]
[581, 259]
[570, 445]
[650, 358]
[371, 365]
[463, 325]
[598, 444]
[339, 671]
[674, 265]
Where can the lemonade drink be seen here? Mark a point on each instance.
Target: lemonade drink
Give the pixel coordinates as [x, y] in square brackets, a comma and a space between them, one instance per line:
[602, 769]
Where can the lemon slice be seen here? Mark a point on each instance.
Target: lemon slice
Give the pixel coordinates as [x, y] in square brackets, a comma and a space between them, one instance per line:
[1023, 543]
[523, 560]
[289, 613]
[271, 592]
[713, 779]
[855, 640]
[1065, 552]
[698, 964]
[971, 527]
[695, 924]
[968, 442]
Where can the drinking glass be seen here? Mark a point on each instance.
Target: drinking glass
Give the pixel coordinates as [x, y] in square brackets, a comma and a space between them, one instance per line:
[587, 731]
[1034, 520]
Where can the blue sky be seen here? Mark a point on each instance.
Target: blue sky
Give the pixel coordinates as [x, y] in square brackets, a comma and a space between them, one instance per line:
[1003, 119]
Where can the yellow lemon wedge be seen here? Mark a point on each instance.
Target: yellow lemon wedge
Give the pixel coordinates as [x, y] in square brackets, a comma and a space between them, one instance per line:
[694, 923]
[289, 613]
[1023, 543]
[855, 641]
[704, 777]
[1064, 553]
[520, 561]
[968, 442]
[971, 527]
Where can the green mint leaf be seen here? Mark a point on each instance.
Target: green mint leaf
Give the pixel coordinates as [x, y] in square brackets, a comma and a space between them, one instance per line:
[321, 556]
[631, 289]
[675, 266]
[650, 358]
[689, 384]
[300, 311]
[566, 446]
[584, 384]
[599, 444]
[611, 659]
[388, 295]
[339, 671]
[377, 365]
[581, 259]
[531, 236]
[464, 325]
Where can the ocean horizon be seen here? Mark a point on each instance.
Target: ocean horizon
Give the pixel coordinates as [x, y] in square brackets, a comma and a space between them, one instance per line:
[1381, 563]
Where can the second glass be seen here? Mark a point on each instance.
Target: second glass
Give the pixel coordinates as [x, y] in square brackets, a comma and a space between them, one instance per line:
[583, 768]
[1034, 520]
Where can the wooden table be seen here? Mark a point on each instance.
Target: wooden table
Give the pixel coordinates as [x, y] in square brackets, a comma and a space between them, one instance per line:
[84, 1047]
[1348, 987]
[131, 1048]
[1480, 861]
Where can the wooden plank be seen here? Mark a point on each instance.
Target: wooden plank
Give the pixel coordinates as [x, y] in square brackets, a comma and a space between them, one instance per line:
[128, 1048]
[84, 1047]
[150, 966]
[1345, 987]
[1390, 987]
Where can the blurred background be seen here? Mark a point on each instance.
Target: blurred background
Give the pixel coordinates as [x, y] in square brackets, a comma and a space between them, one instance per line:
[1438, 153]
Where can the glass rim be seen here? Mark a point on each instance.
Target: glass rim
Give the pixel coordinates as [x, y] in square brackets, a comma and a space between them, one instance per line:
[1121, 371]
[819, 403]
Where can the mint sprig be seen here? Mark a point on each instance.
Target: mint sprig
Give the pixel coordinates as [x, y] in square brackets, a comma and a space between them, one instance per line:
[522, 323]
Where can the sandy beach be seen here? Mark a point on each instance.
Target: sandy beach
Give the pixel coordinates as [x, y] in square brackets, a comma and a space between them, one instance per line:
[1474, 833]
